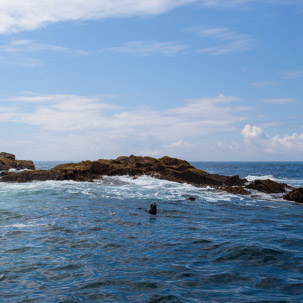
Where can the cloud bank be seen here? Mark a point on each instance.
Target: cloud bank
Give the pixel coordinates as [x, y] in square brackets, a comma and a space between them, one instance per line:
[75, 124]
[257, 141]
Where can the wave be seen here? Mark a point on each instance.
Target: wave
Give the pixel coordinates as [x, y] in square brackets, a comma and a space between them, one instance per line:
[118, 187]
[128, 187]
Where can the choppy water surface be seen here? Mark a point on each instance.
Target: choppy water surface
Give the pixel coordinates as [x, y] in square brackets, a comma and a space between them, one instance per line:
[95, 242]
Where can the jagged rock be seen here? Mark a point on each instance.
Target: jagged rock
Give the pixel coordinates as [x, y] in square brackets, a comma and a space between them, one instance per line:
[25, 164]
[8, 161]
[236, 190]
[7, 156]
[235, 181]
[167, 168]
[295, 195]
[268, 186]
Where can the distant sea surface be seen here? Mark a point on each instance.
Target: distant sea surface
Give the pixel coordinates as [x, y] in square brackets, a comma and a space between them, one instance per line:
[65, 241]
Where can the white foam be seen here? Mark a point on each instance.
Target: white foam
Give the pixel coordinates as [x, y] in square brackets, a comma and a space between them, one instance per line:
[252, 178]
[14, 170]
[127, 187]
[291, 182]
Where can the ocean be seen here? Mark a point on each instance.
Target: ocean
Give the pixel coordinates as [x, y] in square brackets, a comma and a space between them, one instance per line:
[65, 241]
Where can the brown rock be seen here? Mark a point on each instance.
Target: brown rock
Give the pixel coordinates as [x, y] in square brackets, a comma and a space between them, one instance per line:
[267, 186]
[24, 164]
[236, 190]
[295, 195]
[7, 156]
[235, 181]
[8, 161]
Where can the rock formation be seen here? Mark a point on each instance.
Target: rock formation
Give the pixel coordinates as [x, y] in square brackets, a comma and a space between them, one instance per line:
[295, 195]
[268, 186]
[166, 168]
[8, 161]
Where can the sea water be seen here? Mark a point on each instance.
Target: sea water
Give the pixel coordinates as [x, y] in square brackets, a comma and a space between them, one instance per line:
[65, 241]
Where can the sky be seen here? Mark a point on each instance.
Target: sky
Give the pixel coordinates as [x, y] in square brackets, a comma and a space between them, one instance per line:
[201, 80]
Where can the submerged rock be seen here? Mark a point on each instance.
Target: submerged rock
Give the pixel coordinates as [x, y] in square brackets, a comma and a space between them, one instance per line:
[295, 195]
[8, 161]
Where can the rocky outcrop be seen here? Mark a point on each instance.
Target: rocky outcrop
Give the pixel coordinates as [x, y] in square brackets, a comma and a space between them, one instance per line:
[166, 168]
[268, 186]
[8, 161]
[295, 195]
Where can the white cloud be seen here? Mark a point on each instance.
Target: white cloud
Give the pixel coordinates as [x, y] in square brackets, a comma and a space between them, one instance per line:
[257, 141]
[229, 41]
[17, 46]
[19, 61]
[292, 74]
[262, 84]
[279, 100]
[148, 48]
[293, 142]
[20, 15]
[17, 52]
[182, 144]
[253, 132]
[134, 130]
[240, 3]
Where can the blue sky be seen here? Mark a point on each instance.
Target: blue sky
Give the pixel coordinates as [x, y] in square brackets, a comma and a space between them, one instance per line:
[194, 79]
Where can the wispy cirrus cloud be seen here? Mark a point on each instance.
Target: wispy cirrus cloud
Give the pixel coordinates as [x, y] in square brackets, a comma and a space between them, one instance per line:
[20, 15]
[69, 113]
[224, 40]
[87, 122]
[279, 100]
[262, 84]
[292, 74]
[148, 48]
[18, 46]
[237, 3]
[21, 52]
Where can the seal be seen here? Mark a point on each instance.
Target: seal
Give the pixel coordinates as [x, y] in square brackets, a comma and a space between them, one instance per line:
[153, 209]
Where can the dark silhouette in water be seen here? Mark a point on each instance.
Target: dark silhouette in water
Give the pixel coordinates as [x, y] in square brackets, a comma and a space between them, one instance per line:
[153, 209]
[191, 198]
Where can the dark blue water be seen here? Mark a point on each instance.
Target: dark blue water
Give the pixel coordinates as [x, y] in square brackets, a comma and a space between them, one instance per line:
[95, 242]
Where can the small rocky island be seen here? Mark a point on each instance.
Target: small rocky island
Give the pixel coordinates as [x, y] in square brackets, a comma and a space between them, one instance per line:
[166, 168]
[8, 161]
